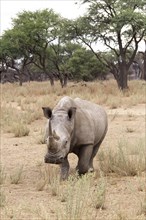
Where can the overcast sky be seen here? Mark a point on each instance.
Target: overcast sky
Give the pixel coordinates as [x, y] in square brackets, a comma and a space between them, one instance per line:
[67, 8]
[10, 8]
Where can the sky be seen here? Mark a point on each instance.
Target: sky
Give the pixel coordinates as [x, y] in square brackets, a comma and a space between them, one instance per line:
[10, 8]
[66, 8]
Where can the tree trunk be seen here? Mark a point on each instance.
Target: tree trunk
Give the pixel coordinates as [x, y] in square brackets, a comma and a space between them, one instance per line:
[19, 72]
[61, 82]
[65, 80]
[123, 81]
[51, 81]
[20, 78]
[144, 68]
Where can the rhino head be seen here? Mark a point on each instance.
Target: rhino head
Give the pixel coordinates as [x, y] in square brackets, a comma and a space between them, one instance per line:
[59, 131]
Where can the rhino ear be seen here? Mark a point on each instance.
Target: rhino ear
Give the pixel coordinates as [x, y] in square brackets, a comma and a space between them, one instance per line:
[47, 112]
[71, 112]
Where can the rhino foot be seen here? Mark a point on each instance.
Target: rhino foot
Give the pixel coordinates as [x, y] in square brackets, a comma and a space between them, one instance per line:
[91, 170]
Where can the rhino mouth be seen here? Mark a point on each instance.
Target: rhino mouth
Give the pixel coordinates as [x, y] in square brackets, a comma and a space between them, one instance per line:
[53, 160]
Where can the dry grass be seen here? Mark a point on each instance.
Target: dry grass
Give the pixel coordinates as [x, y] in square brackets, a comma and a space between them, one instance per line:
[80, 193]
[77, 197]
[20, 129]
[106, 92]
[88, 197]
[125, 161]
[23, 104]
[75, 194]
[48, 178]
[41, 139]
[100, 194]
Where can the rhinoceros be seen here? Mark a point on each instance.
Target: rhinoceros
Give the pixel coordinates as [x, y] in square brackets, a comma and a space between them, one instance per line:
[74, 126]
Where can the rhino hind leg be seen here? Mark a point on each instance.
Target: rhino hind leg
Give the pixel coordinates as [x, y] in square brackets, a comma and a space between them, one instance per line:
[95, 150]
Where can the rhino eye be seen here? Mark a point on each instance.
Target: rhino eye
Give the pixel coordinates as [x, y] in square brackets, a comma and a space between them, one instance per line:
[65, 142]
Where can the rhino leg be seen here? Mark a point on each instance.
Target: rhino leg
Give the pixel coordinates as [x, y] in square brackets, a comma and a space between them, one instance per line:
[95, 150]
[84, 159]
[64, 169]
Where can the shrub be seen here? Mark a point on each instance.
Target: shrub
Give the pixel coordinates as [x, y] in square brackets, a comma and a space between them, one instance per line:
[122, 161]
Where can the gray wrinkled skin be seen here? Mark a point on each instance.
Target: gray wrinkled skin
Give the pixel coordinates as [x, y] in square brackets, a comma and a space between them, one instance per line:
[74, 126]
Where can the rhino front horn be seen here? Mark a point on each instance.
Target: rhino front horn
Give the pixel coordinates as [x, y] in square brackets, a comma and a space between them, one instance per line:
[51, 138]
[50, 129]
[55, 135]
[52, 142]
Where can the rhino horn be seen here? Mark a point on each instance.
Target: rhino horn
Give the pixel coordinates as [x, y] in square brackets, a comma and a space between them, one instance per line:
[51, 138]
[55, 135]
[50, 129]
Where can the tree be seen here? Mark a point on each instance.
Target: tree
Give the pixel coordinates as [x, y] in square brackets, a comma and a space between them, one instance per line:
[83, 65]
[40, 29]
[145, 61]
[119, 24]
[37, 39]
[12, 54]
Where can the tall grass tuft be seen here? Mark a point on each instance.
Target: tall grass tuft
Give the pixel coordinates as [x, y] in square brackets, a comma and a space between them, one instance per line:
[43, 177]
[49, 178]
[41, 139]
[76, 197]
[122, 161]
[53, 181]
[20, 129]
[79, 194]
[98, 198]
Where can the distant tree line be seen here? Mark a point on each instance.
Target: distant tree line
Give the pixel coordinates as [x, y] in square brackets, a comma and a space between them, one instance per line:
[42, 45]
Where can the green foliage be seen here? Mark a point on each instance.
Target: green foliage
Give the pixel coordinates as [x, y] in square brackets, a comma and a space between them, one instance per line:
[84, 65]
[120, 25]
[47, 41]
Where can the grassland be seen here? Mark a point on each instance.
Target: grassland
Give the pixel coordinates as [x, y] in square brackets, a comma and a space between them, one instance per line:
[32, 190]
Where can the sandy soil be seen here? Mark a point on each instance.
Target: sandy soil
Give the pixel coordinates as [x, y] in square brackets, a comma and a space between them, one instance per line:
[124, 194]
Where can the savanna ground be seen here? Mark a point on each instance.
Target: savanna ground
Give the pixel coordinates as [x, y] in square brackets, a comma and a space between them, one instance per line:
[31, 189]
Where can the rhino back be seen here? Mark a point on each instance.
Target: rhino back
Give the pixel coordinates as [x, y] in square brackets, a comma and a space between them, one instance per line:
[90, 123]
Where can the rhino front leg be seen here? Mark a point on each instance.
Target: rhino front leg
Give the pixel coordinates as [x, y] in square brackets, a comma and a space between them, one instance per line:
[64, 169]
[84, 159]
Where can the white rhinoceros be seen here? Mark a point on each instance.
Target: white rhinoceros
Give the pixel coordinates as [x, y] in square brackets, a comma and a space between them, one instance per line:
[74, 126]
